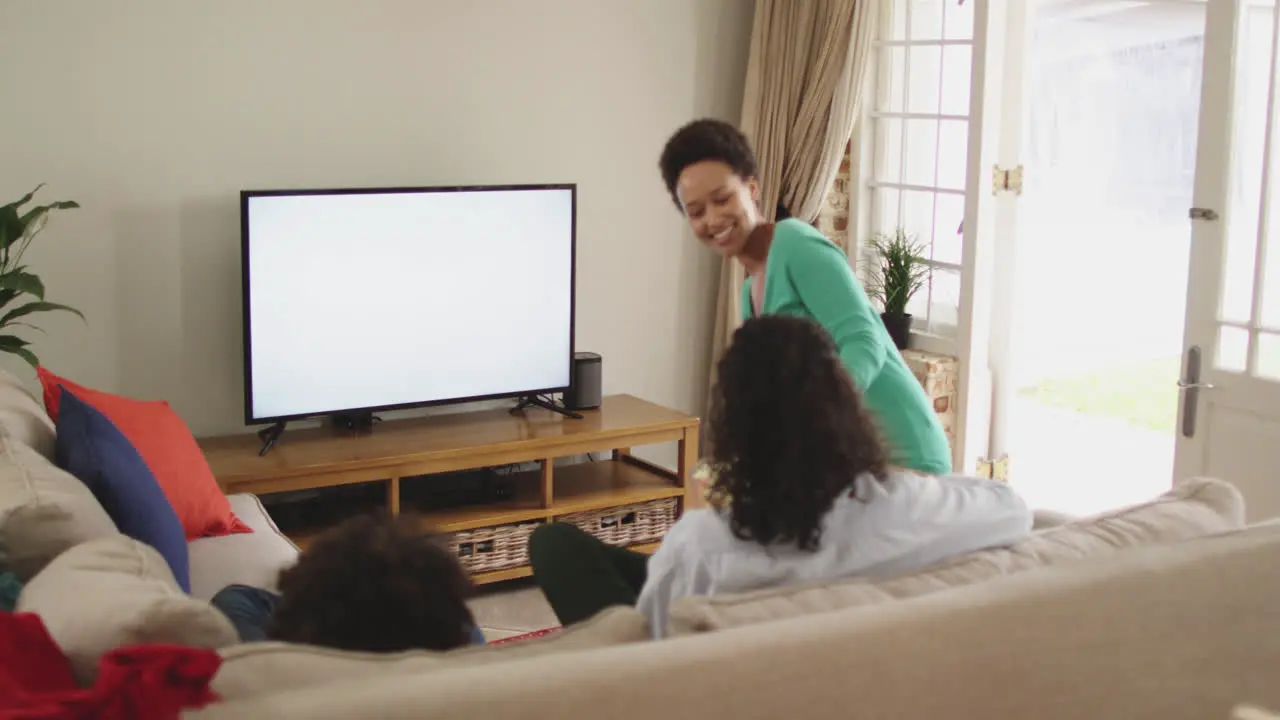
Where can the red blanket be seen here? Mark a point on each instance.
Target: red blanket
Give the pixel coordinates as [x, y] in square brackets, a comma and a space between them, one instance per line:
[152, 682]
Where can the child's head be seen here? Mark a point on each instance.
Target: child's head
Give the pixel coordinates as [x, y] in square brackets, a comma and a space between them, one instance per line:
[375, 583]
[788, 431]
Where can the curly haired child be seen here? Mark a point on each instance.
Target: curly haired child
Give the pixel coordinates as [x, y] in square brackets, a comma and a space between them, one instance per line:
[800, 490]
[374, 583]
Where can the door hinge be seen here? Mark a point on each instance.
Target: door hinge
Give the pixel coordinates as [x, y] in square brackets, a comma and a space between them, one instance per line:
[1203, 214]
[1006, 180]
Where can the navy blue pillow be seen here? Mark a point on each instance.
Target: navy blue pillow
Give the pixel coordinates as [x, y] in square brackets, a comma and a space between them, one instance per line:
[93, 449]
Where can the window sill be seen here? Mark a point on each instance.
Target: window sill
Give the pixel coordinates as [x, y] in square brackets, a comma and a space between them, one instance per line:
[934, 343]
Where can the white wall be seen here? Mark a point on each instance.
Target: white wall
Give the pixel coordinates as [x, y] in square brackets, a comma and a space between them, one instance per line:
[153, 114]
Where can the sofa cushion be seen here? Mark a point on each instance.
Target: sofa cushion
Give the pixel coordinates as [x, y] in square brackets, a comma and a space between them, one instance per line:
[22, 418]
[93, 449]
[167, 446]
[255, 669]
[1194, 509]
[43, 510]
[254, 559]
[114, 592]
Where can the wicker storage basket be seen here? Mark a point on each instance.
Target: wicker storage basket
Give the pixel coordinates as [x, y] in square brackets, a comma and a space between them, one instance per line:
[628, 524]
[493, 548]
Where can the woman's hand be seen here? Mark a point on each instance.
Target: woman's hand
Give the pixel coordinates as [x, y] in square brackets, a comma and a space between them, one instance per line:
[704, 479]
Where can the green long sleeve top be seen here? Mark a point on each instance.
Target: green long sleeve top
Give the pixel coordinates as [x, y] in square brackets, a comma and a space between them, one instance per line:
[806, 275]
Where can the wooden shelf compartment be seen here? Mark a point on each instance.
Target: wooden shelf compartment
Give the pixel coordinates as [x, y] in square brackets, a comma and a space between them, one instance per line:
[581, 487]
[577, 488]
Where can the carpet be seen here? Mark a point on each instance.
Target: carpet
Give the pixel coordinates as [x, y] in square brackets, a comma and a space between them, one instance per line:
[526, 636]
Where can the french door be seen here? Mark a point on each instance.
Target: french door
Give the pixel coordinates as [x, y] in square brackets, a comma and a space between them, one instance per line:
[1229, 407]
[1228, 395]
[1101, 104]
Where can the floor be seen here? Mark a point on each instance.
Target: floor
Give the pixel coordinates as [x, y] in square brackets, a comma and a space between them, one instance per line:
[512, 608]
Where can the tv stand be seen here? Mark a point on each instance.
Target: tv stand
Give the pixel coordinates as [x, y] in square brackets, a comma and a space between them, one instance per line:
[408, 452]
[539, 401]
[269, 436]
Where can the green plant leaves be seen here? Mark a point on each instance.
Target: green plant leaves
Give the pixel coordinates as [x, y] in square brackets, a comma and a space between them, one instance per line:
[23, 353]
[26, 198]
[34, 307]
[33, 216]
[16, 225]
[22, 282]
[17, 228]
[900, 270]
[15, 345]
[11, 227]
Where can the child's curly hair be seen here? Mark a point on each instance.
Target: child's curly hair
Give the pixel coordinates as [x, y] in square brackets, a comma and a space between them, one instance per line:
[788, 431]
[375, 583]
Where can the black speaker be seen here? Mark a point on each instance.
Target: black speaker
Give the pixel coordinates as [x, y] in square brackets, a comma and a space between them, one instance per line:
[585, 390]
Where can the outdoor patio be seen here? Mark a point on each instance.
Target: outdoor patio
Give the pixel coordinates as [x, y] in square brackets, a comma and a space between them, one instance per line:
[1084, 464]
[1095, 439]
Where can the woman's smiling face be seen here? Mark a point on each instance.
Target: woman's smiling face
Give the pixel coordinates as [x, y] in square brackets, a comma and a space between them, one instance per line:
[720, 205]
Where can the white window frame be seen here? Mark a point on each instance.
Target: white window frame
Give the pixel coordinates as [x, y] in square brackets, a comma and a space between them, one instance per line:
[868, 154]
[987, 217]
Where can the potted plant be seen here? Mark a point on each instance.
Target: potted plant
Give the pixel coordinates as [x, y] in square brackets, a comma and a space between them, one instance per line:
[21, 291]
[898, 271]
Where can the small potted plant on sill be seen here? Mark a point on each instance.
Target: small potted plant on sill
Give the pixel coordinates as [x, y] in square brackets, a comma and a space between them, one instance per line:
[21, 291]
[898, 270]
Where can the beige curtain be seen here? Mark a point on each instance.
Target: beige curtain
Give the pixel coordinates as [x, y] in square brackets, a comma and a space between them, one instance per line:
[805, 79]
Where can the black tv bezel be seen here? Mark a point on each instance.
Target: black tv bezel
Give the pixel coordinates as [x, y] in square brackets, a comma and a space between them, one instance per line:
[246, 310]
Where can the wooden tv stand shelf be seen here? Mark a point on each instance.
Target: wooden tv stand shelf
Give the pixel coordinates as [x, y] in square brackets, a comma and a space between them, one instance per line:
[397, 450]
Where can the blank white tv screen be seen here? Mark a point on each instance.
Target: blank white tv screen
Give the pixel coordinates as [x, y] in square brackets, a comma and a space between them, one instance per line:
[381, 299]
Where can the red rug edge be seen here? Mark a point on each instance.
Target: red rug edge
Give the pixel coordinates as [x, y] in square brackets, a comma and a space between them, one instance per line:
[526, 636]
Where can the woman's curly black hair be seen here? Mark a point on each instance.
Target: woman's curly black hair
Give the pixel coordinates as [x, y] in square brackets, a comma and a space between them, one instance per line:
[702, 140]
[788, 431]
[375, 583]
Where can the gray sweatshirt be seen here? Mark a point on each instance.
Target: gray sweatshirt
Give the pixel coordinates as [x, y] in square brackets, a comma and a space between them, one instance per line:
[905, 523]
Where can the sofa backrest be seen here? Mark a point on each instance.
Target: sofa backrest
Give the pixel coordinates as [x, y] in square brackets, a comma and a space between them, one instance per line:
[43, 510]
[22, 416]
[1195, 508]
[1181, 631]
[263, 668]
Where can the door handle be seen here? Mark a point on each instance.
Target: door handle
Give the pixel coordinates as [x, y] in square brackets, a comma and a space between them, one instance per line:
[1190, 386]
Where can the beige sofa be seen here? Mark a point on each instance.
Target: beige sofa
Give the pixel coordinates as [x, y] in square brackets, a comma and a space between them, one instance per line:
[1165, 610]
[38, 504]
[60, 541]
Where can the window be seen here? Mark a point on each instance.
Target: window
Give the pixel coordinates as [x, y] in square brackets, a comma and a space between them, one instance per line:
[920, 137]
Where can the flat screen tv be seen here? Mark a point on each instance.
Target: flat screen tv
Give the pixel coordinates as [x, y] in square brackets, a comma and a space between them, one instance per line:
[358, 300]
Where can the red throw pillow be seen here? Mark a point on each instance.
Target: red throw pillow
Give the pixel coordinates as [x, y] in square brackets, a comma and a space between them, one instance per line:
[167, 446]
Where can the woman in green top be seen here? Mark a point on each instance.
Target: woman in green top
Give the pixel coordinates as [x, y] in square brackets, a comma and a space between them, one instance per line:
[792, 269]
